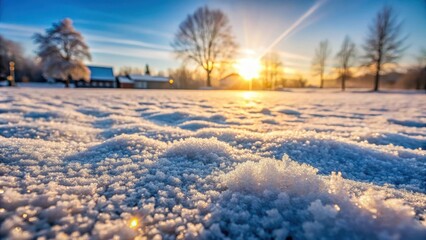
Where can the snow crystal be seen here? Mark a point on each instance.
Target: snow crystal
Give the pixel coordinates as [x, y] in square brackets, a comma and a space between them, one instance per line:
[107, 164]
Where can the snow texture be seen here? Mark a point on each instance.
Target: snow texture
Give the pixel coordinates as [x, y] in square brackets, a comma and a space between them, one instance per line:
[103, 164]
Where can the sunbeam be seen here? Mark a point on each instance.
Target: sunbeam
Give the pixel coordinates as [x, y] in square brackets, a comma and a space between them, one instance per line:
[293, 27]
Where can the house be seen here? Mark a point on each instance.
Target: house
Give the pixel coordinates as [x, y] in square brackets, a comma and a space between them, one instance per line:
[125, 82]
[151, 82]
[100, 77]
[233, 81]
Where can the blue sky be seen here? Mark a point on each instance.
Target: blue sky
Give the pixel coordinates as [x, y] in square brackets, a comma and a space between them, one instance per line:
[135, 33]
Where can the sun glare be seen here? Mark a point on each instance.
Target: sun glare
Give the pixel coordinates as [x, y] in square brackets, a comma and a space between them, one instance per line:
[133, 222]
[248, 68]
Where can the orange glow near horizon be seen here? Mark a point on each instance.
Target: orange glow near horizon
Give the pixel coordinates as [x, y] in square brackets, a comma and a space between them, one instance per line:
[248, 68]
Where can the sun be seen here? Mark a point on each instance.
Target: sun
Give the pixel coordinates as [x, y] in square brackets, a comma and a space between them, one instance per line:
[133, 223]
[248, 68]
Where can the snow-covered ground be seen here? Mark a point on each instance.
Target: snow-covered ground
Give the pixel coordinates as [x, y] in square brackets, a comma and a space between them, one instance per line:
[212, 164]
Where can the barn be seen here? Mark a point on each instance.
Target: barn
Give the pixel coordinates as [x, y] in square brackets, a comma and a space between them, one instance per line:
[100, 77]
[233, 81]
[125, 82]
[151, 82]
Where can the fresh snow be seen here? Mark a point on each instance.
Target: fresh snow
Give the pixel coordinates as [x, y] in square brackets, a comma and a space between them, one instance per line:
[103, 164]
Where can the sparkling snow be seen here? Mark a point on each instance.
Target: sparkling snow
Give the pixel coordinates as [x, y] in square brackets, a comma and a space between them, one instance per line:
[99, 164]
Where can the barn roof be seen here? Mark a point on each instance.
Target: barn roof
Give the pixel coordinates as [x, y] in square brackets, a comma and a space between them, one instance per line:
[148, 78]
[101, 73]
[124, 79]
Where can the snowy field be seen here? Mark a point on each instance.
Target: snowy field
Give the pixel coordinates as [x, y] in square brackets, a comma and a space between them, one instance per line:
[98, 164]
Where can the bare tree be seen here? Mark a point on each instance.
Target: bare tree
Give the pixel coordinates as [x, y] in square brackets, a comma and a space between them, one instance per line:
[62, 51]
[345, 58]
[383, 44]
[319, 63]
[273, 71]
[205, 38]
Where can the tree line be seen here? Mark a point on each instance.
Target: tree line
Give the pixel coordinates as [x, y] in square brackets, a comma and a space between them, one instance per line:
[383, 47]
[205, 39]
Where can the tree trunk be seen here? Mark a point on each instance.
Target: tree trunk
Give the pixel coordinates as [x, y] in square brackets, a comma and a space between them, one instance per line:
[322, 81]
[209, 84]
[378, 66]
[343, 82]
[377, 79]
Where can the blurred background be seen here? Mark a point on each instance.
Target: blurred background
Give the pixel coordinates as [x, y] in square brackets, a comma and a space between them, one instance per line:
[263, 45]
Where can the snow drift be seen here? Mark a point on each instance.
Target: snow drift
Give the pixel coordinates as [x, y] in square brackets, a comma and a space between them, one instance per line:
[181, 165]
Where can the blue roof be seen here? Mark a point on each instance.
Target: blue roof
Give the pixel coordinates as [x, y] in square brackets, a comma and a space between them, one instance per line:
[101, 73]
[148, 78]
[124, 79]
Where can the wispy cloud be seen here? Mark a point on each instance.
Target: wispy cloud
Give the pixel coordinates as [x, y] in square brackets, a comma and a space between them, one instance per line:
[298, 66]
[15, 34]
[127, 42]
[129, 47]
[121, 27]
[284, 54]
[134, 52]
[20, 28]
[293, 56]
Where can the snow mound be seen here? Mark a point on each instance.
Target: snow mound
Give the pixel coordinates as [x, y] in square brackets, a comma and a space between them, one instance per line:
[289, 112]
[150, 130]
[398, 139]
[204, 150]
[360, 161]
[408, 123]
[50, 131]
[121, 146]
[111, 164]
[285, 195]
[278, 176]
[198, 124]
